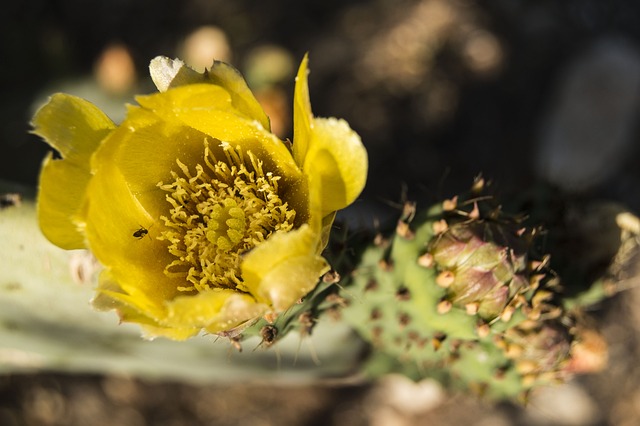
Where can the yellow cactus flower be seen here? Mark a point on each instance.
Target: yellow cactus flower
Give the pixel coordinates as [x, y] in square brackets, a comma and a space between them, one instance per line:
[202, 218]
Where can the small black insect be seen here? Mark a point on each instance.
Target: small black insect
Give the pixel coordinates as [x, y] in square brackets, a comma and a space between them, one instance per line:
[140, 233]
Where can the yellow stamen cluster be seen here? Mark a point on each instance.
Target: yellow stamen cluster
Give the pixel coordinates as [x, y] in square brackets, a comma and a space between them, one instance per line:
[219, 213]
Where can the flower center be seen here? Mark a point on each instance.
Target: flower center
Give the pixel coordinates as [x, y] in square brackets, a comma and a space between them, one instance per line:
[219, 213]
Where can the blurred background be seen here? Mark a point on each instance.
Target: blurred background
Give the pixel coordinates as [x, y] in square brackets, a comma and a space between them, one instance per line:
[526, 92]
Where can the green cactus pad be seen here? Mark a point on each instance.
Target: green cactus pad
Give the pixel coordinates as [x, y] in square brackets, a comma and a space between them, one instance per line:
[458, 293]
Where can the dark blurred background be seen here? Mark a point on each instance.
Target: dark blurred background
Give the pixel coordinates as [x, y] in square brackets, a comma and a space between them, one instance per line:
[526, 92]
[440, 91]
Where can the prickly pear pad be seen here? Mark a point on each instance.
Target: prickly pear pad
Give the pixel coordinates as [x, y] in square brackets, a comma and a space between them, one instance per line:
[458, 293]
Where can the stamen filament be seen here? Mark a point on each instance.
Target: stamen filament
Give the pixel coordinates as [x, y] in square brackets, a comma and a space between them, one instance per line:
[219, 213]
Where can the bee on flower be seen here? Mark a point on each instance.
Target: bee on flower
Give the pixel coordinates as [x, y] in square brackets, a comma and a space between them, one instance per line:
[234, 219]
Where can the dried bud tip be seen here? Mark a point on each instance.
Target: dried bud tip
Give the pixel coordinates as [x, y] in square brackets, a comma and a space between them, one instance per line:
[331, 277]
[483, 330]
[472, 308]
[507, 313]
[235, 343]
[526, 367]
[385, 265]
[440, 227]
[541, 296]
[535, 280]
[475, 213]
[426, 260]
[478, 185]
[379, 240]
[444, 306]
[270, 317]
[404, 231]
[450, 205]
[408, 211]
[445, 279]
[514, 351]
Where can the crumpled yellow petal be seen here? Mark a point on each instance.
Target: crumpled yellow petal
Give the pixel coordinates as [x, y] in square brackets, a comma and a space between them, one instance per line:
[284, 268]
[216, 310]
[110, 296]
[75, 128]
[338, 159]
[327, 148]
[131, 306]
[169, 73]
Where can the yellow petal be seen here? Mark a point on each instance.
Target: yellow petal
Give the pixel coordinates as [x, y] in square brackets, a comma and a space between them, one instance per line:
[302, 115]
[170, 73]
[133, 307]
[291, 280]
[61, 190]
[327, 224]
[110, 296]
[230, 78]
[284, 268]
[150, 332]
[208, 109]
[130, 301]
[337, 156]
[190, 97]
[216, 310]
[327, 148]
[250, 136]
[145, 150]
[113, 216]
[75, 128]
[127, 307]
